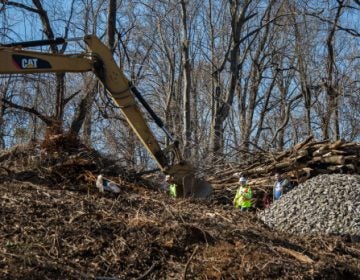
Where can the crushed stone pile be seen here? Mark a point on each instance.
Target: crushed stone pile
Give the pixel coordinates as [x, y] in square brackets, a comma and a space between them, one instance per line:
[325, 204]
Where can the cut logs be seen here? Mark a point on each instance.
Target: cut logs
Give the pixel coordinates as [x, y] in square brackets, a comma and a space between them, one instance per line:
[305, 160]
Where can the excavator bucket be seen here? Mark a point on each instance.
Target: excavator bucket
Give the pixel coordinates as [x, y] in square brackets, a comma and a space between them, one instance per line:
[188, 185]
[202, 188]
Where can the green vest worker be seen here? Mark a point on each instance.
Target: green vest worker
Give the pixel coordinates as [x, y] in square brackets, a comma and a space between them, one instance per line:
[172, 190]
[172, 187]
[243, 196]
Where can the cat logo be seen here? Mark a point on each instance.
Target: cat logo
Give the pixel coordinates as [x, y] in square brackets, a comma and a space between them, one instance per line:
[29, 63]
[26, 62]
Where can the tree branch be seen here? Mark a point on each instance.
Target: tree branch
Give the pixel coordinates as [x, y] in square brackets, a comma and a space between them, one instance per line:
[45, 119]
[19, 5]
[66, 100]
[67, 27]
[351, 31]
[287, 116]
[46, 24]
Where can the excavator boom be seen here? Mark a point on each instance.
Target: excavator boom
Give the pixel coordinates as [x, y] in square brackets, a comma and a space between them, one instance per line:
[99, 60]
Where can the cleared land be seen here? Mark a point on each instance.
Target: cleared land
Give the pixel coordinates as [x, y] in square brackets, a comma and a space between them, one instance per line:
[56, 225]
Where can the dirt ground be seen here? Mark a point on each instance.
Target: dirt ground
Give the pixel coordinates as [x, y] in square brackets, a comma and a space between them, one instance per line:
[69, 230]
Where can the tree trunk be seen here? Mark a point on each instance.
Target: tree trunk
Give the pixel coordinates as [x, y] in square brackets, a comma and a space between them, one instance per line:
[247, 112]
[2, 113]
[336, 119]
[60, 95]
[329, 84]
[83, 116]
[170, 110]
[60, 77]
[265, 108]
[186, 82]
[238, 19]
[83, 110]
[216, 127]
[111, 24]
[303, 74]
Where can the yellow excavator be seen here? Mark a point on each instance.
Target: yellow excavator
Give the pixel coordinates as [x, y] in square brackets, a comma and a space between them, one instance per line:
[98, 59]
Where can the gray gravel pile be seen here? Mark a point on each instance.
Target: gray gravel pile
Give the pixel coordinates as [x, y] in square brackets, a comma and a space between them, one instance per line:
[326, 204]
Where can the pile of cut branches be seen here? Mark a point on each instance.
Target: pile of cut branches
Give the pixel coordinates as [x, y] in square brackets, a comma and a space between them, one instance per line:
[60, 160]
[305, 160]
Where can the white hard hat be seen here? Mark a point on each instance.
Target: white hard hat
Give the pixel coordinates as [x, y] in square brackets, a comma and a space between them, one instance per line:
[242, 179]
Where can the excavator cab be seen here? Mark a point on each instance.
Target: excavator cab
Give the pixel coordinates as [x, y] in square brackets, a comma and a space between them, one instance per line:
[99, 59]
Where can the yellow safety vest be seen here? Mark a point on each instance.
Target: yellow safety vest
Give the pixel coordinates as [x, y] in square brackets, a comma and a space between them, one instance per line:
[243, 197]
[172, 190]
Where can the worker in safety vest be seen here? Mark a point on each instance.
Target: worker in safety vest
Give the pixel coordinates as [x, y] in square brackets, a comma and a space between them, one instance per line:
[243, 196]
[172, 186]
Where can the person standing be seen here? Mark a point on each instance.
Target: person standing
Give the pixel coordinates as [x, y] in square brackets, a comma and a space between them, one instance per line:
[243, 196]
[172, 186]
[281, 186]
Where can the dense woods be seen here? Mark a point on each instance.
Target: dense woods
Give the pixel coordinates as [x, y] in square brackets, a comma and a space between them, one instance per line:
[226, 76]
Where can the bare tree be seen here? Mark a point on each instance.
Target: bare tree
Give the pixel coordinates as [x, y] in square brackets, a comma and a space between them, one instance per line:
[186, 67]
[57, 116]
[222, 104]
[83, 115]
[330, 85]
[226, 75]
[300, 48]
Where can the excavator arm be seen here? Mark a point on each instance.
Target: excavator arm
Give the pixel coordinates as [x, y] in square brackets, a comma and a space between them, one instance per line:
[99, 59]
